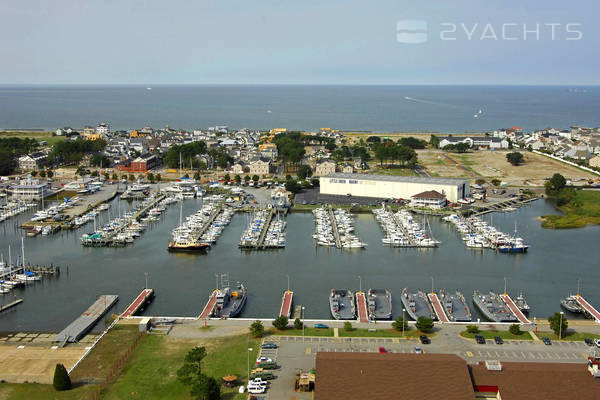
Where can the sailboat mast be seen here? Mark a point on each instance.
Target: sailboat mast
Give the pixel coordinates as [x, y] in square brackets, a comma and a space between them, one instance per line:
[23, 252]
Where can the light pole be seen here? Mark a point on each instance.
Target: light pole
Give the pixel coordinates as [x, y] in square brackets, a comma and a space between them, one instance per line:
[403, 322]
[302, 321]
[248, 364]
[560, 326]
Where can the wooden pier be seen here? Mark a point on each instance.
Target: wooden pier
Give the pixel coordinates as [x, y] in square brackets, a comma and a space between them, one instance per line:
[263, 233]
[142, 299]
[588, 309]
[514, 309]
[84, 323]
[286, 304]
[361, 307]
[336, 233]
[501, 206]
[209, 307]
[10, 305]
[437, 307]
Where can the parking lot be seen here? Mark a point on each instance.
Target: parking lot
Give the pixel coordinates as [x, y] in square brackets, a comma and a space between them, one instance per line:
[297, 353]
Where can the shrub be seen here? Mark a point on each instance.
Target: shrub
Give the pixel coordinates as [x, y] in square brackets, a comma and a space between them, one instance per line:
[348, 326]
[257, 329]
[515, 329]
[400, 323]
[280, 322]
[61, 378]
[496, 182]
[424, 324]
[297, 323]
[472, 329]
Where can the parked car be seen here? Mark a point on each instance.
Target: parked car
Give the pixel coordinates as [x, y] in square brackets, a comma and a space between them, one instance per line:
[263, 359]
[382, 350]
[321, 326]
[256, 389]
[597, 342]
[498, 340]
[268, 345]
[418, 350]
[589, 341]
[479, 339]
[424, 339]
[546, 341]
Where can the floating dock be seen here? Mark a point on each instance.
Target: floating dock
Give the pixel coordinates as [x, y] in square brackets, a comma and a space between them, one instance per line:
[209, 307]
[514, 309]
[286, 304]
[587, 308]
[84, 323]
[10, 305]
[143, 298]
[361, 306]
[297, 312]
[437, 307]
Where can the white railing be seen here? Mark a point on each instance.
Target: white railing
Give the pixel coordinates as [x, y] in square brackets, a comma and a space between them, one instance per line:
[567, 162]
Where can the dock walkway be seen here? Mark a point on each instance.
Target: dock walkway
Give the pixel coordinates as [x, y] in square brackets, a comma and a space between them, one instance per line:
[265, 229]
[286, 304]
[361, 306]
[144, 297]
[81, 325]
[336, 233]
[209, 307]
[437, 307]
[514, 309]
[588, 308]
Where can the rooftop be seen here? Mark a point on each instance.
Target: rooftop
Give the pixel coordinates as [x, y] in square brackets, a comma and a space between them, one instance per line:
[393, 178]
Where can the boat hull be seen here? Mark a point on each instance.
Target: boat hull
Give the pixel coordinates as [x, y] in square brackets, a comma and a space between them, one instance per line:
[199, 248]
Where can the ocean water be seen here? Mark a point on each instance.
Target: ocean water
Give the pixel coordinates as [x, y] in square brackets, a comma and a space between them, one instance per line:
[370, 108]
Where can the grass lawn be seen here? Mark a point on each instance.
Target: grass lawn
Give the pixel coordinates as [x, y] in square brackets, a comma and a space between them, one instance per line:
[570, 336]
[33, 391]
[506, 335]
[101, 359]
[396, 171]
[152, 370]
[582, 210]
[308, 331]
[39, 136]
[409, 333]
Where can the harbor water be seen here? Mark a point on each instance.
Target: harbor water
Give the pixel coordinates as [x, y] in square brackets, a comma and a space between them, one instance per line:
[183, 282]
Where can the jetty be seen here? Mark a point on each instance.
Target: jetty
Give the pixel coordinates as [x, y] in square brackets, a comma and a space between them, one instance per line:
[209, 306]
[84, 323]
[142, 299]
[361, 306]
[514, 309]
[10, 305]
[505, 205]
[588, 309]
[437, 307]
[286, 304]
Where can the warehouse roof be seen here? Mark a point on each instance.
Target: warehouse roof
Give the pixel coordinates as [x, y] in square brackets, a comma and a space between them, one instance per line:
[377, 376]
[393, 178]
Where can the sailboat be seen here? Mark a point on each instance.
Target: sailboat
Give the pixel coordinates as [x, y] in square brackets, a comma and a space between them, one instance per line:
[26, 276]
[514, 244]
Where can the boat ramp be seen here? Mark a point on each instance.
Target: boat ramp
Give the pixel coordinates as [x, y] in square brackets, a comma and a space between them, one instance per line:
[514, 309]
[361, 306]
[84, 323]
[437, 307]
[209, 307]
[286, 304]
[588, 309]
[142, 299]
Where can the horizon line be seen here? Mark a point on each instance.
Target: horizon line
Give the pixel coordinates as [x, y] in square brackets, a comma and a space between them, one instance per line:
[302, 84]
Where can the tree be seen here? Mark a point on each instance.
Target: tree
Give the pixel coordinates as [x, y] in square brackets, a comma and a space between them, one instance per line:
[373, 139]
[206, 388]
[496, 182]
[480, 181]
[424, 324]
[50, 173]
[94, 173]
[42, 173]
[348, 326]
[255, 178]
[400, 324]
[99, 160]
[280, 322]
[297, 324]
[131, 177]
[106, 176]
[412, 142]
[515, 329]
[227, 178]
[61, 378]
[197, 175]
[515, 158]
[192, 366]
[114, 177]
[292, 186]
[472, 329]
[150, 176]
[556, 325]
[555, 184]
[257, 329]
[315, 182]
[237, 179]
[158, 177]
[304, 171]
[434, 141]
[80, 171]
[246, 178]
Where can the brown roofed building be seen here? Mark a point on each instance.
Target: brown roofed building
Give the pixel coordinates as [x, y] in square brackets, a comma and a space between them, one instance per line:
[430, 198]
[374, 376]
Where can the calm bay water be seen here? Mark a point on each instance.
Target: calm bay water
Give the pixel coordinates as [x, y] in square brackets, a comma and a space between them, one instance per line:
[183, 282]
[374, 108]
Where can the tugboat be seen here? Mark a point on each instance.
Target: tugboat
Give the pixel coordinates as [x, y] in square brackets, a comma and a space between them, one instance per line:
[183, 244]
[229, 302]
[417, 305]
[456, 307]
[571, 305]
[521, 303]
[492, 307]
[379, 302]
[341, 304]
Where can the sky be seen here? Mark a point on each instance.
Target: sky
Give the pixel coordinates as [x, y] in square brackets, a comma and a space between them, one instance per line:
[298, 42]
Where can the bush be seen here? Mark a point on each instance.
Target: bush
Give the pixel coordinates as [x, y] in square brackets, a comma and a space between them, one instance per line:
[297, 324]
[400, 323]
[348, 326]
[472, 329]
[280, 322]
[496, 182]
[424, 324]
[257, 329]
[515, 158]
[480, 181]
[61, 378]
[515, 329]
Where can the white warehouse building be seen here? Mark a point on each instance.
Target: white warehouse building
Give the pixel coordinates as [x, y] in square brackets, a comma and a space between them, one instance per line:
[396, 187]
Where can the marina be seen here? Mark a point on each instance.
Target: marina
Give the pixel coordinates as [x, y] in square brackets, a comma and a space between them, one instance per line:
[335, 227]
[76, 329]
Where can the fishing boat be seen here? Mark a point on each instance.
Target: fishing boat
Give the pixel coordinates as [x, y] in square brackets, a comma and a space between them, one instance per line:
[571, 304]
[185, 244]
[456, 306]
[379, 303]
[493, 307]
[229, 303]
[521, 303]
[341, 304]
[417, 305]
